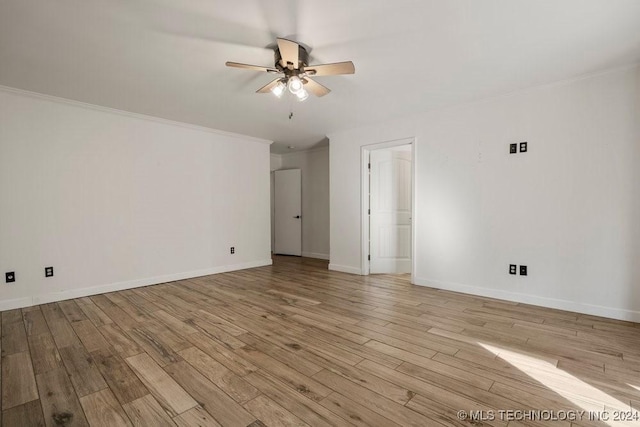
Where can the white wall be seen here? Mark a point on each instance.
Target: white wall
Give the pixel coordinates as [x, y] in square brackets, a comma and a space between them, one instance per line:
[569, 208]
[314, 166]
[114, 200]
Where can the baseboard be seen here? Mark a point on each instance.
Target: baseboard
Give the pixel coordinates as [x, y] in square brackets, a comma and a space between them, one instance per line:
[315, 255]
[11, 304]
[119, 286]
[560, 304]
[345, 269]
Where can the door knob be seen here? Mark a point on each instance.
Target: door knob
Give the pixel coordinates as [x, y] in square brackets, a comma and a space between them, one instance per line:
[297, 216]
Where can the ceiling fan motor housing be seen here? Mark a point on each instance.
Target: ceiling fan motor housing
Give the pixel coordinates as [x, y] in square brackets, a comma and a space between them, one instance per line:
[303, 61]
[291, 61]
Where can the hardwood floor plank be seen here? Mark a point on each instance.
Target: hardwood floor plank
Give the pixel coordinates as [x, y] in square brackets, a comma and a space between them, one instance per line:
[103, 410]
[236, 387]
[93, 312]
[446, 396]
[72, 311]
[444, 415]
[175, 342]
[61, 330]
[220, 323]
[296, 380]
[44, 353]
[124, 383]
[119, 341]
[224, 409]
[173, 323]
[304, 363]
[34, 322]
[18, 380]
[222, 354]
[390, 390]
[216, 333]
[196, 417]
[26, 415]
[115, 313]
[14, 335]
[147, 412]
[376, 402]
[135, 312]
[82, 370]
[304, 408]
[168, 392]
[357, 414]
[154, 345]
[89, 335]
[272, 414]
[400, 353]
[60, 404]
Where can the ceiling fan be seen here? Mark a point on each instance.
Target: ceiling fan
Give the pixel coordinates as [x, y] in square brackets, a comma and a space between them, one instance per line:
[291, 60]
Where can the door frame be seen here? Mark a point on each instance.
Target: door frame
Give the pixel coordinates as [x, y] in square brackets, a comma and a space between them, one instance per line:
[365, 150]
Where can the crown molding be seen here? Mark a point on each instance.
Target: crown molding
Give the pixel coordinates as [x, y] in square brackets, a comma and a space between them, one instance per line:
[130, 114]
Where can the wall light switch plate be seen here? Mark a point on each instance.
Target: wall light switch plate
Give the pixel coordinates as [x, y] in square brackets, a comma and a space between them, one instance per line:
[523, 270]
[513, 148]
[523, 147]
[10, 276]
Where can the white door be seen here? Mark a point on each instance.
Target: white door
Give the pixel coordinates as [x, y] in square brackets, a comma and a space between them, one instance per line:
[390, 215]
[288, 212]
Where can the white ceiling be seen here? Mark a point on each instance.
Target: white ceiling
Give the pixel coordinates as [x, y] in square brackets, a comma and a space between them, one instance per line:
[166, 58]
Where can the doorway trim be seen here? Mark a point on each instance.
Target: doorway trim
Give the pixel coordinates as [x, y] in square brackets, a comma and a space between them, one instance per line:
[365, 150]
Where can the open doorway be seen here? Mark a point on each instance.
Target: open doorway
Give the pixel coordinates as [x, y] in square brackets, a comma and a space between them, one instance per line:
[388, 207]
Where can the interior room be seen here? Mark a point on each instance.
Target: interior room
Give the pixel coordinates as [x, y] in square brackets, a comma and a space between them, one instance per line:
[294, 213]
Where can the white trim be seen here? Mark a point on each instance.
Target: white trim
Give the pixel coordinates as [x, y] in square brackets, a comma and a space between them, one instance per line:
[414, 216]
[559, 304]
[109, 110]
[365, 155]
[345, 269]
[315, 255]
[11, 304]
[100, 289]
[308, 150]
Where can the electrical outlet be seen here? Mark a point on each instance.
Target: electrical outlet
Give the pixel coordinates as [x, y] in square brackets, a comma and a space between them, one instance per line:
[513, 148]
[233, 250]
[10, 276]
[523, 270]
[523, 147]
[512, 268]
[48, 272]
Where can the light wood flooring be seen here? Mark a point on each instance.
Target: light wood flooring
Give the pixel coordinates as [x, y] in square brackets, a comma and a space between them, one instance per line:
[294, 344]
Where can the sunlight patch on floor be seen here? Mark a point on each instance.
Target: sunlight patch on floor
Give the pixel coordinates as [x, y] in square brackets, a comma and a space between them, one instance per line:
[578, 392]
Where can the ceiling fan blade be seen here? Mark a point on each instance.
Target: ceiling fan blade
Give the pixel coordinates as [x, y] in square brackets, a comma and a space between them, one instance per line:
[331, 69]
[251, 67]
[289, 52]
[315, 88]
[267, 88]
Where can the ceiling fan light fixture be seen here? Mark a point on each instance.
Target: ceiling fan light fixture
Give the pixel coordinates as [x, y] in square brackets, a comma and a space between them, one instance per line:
[278, 90]
[302, 94]
[291, 63]
[295, 85]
